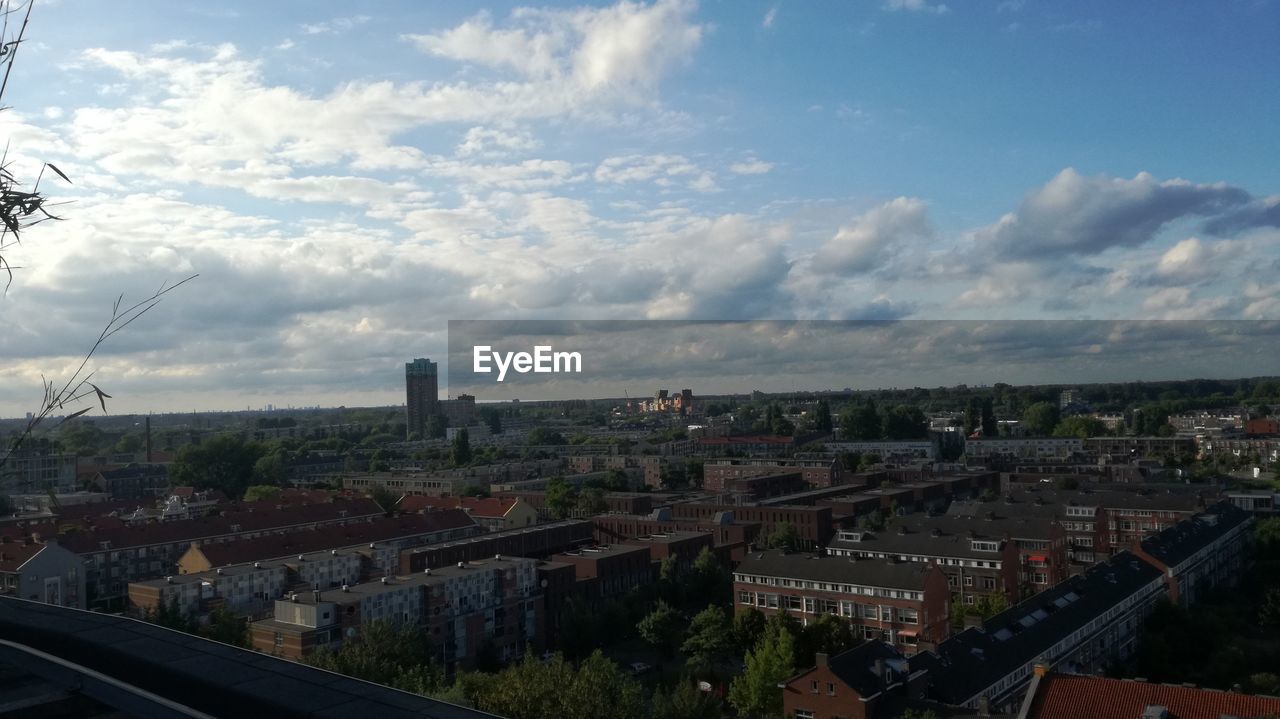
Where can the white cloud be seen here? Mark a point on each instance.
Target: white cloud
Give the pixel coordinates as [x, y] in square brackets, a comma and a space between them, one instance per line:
[334, 26]
[769, 17]
[492, 142]
[871, 239]
[751, 167]
[920, 6]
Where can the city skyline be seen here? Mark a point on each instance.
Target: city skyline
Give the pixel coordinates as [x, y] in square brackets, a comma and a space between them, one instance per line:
[347, 178]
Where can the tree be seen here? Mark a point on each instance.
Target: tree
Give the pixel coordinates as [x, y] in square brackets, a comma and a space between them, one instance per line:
[378, 462]
[755, 692]
[861, 422]
[709, 642]
[436, 427]
[271, 469]
[493, 419]
[1081, 426]
[591, 502]
[534, 689]
[709, 582]
[904, 422]
[828, 634]
[749, 628]
[226, 627]
[396, 655]
[262, 492]
[460, 453]
[385, 497]
[544, 436]
[171, 616]
[474, 490]
[686, 701]
[225, 463]
[822, 418]
[989, 425]
[561, 497]
[972, 416]
[784, 536]
[662, 629]
[1040, 419]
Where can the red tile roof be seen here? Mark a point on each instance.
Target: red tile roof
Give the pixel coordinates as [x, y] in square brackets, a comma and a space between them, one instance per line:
[1067, 696]
[248, 516]
[16, 554]
[382, 529]
[488, 508]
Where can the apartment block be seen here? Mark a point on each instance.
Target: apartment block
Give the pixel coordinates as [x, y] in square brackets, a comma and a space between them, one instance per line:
[902, 603]
[462, 608]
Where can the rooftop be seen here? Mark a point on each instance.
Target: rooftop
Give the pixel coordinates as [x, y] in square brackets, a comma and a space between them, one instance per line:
[837, 570]
[1068, 696]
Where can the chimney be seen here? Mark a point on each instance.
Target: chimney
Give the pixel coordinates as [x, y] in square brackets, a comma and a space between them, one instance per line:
[984, 706]
[820, 659]
[881, 679]
[1040, 669]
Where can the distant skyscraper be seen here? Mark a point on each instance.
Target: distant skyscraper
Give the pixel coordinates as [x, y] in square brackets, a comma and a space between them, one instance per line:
[422, 391]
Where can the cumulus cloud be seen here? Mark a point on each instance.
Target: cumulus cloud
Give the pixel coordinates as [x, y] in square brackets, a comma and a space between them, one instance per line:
[866, 243]
[1077, 215]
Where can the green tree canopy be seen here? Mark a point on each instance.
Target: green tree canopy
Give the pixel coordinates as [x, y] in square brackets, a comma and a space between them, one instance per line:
[225, 462]
[1040, 419]
[686, 701]
[755, 692]
[710, 642]
[663, 628]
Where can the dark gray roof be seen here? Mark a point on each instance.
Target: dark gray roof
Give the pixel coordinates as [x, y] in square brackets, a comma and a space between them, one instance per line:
[988, 522]
[208, 676]
[964, 665]
[919, 540]
[1177, 543]
[838, 570]
[856, 667]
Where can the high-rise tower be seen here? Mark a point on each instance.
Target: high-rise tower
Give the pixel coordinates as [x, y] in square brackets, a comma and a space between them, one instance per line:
[422, 390]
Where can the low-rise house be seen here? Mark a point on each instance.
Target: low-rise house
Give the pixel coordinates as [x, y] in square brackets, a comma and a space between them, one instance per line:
[1054, 695]
[42, 572]
[493, 513]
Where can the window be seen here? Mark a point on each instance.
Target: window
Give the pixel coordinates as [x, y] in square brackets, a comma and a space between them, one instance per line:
[831, 689]
[279, 639]
[804, 714]
[908, 616]
[968, 581]
[813, 686]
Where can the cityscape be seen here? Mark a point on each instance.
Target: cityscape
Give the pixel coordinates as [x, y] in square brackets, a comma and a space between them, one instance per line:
[639, 359]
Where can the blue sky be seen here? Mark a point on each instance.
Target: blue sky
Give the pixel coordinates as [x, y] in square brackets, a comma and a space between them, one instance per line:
[346, 177]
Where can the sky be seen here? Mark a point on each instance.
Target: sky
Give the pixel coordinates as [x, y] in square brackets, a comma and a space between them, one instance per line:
[347, 177]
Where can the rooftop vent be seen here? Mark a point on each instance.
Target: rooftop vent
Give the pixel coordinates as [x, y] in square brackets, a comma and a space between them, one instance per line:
[334, 552]
[461, 565]
[300, 557]
[257, 565]
[168, 580]
[427, 570]
[346, 588]
[384, 580]
[218, 570]
[498, 557]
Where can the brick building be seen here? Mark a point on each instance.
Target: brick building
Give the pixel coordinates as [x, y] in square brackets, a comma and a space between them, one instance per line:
[975, 565]
[718, 473]
[812, 523]
[902, 603]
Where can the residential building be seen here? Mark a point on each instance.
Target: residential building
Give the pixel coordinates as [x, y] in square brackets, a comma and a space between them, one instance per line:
[380, 540]
[607, 571]
[493, 513]
[976, 564]
[717, 474]
[1022, 447]
[1199, 553]
[902, 603]
[682, 547]
[463, 608]
[422, 395]
[813, 524]
[41, 572]
[851, 685]
[1054, 695]
[539, 540]
[1083, 624]
[730, 537]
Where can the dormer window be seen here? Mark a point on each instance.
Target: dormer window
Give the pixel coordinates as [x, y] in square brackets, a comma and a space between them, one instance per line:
[984, 546]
